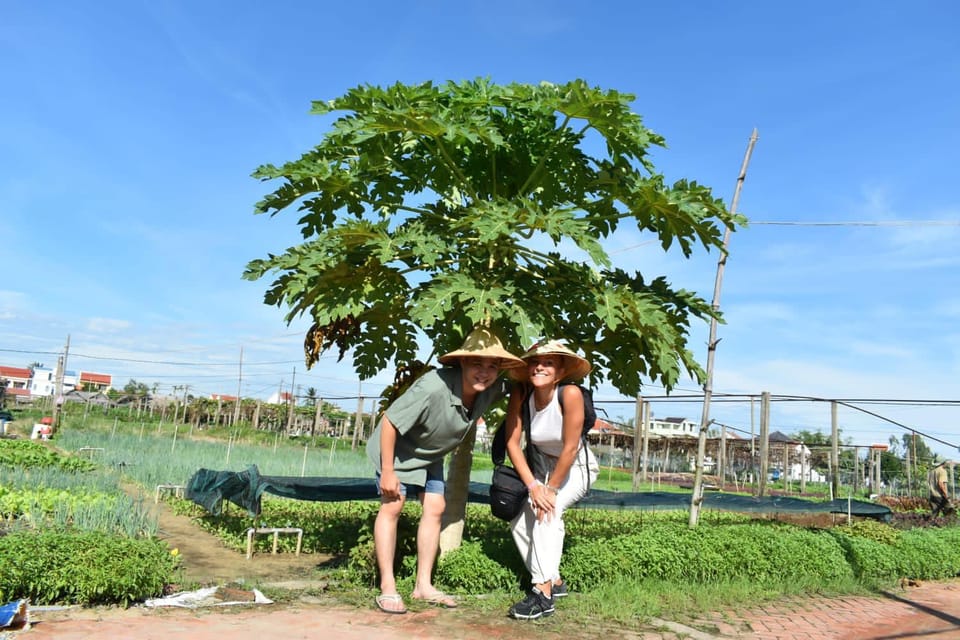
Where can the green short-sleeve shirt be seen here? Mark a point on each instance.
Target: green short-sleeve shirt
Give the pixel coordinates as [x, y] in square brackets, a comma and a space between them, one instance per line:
[431, 421]
[934, 477]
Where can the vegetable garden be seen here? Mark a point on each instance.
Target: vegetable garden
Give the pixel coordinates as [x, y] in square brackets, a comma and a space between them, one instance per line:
[79, 529]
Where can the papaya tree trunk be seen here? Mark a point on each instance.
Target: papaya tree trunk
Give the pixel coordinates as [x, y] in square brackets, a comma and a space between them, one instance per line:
[457, 488]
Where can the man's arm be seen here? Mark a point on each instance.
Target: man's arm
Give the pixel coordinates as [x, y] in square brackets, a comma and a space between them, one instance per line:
[389, 483]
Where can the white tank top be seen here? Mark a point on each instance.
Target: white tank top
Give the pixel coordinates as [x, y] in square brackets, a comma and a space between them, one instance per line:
[546, 426]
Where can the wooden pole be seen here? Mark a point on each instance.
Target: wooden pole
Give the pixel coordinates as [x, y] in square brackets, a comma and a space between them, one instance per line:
[909, 479]
[877, 471]
[236, 408]
[803, 468]
[58, 386]
[764, 442]
[696, 499]
[293, 402]
[856, 469]
[831, 472]
[373, 417]
[645, 457]
[753, 445]
[723, 454]
[637, 441]
[786, 467]
[316, 417]
[834, 450]
[358, 419]
[913, 441]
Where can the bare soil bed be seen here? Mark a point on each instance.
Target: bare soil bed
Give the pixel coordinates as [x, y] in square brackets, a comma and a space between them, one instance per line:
[208, 562]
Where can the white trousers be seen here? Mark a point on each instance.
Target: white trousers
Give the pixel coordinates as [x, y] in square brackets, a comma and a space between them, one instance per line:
[541, 543]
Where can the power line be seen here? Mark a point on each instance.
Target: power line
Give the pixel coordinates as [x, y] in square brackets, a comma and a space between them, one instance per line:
[801, 223]
[903, 426]
[866, 223]
[740, 397]
[181, 364]
[849, 403]
[164, 362]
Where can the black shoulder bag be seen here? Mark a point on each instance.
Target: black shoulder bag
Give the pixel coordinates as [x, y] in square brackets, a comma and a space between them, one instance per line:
[507, 491]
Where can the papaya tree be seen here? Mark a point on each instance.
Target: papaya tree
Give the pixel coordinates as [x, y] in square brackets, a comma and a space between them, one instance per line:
[427, 209]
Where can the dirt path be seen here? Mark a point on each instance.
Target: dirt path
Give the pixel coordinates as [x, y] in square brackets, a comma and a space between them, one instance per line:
[208, 562]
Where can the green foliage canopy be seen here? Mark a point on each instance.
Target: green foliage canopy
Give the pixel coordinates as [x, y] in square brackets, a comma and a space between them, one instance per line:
[432, 208]
[135, 388]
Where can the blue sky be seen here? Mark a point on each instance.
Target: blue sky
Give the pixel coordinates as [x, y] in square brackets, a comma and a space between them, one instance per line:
[129, 131]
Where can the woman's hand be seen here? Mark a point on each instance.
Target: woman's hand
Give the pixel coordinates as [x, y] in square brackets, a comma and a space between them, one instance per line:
[544, 501]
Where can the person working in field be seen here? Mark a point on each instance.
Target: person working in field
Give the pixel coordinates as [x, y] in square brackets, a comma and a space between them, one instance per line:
[428, 421]
[937, 483]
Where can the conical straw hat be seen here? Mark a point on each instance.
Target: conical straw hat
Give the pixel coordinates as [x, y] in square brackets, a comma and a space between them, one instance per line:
[482, 343]
[575, 365]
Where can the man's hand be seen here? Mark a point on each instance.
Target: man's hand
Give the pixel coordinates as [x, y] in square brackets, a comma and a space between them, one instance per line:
[389, 484]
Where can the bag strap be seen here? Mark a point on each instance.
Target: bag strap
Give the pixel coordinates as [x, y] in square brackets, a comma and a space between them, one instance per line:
[498, 448]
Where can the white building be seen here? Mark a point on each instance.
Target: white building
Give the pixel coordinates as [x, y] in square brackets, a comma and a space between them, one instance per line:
[673, 427]
[44, 381]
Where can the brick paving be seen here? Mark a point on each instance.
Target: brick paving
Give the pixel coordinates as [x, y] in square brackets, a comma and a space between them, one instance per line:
[930, 611]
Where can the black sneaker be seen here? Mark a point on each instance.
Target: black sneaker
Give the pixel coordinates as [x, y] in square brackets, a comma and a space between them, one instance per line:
[534, 606]
[560, 590]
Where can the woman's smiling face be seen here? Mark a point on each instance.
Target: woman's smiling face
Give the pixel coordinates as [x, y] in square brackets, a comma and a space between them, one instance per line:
[545, 370]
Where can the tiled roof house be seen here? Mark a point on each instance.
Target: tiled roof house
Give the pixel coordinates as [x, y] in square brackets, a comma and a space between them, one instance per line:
[15, 377]
[95, 381]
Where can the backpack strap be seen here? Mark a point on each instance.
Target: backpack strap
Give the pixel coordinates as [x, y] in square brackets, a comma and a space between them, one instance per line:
[498, 448]
[583, 432]
[583, 436]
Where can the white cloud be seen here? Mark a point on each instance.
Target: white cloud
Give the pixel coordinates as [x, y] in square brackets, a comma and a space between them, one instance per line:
[12, 301]
[881, 349]
[107, 325]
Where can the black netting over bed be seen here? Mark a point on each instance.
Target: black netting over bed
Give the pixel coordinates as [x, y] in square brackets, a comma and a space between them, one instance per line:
[245, 489]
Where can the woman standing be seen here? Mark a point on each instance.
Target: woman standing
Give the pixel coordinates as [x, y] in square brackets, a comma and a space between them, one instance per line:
[569, 467]
[428, 421]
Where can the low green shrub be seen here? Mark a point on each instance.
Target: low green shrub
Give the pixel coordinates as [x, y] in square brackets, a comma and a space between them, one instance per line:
[29, 454]
[59, 567]
[673, 552]
[872, 530]
[362, 562]
[923, 554]
[929, 554]
[469, 570]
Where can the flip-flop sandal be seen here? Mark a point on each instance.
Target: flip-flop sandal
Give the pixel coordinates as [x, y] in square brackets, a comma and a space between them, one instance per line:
[438, 599]
[391, 603]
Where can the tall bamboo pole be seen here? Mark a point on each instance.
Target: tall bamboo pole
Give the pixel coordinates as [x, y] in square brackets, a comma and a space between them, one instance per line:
[645, 451]
[236, 408]
[637, 442]
[834, 450]
[764, 442]
[696, 499]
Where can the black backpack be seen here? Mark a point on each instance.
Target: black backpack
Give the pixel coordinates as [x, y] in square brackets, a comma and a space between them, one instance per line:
[589, 411]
